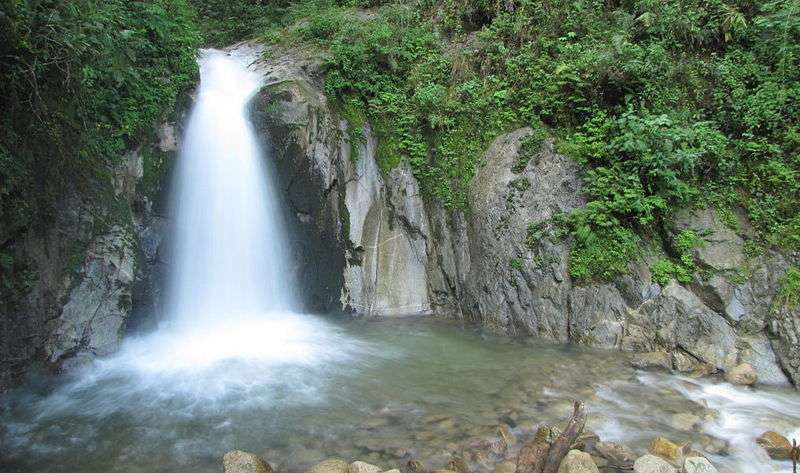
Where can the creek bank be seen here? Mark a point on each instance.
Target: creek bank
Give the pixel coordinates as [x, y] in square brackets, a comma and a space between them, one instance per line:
[502, 262]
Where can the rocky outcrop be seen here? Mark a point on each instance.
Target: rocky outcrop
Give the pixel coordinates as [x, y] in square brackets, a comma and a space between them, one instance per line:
[501, 263]
[102, 243]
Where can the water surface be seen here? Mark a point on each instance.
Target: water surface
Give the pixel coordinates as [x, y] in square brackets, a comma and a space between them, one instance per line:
[378, 391]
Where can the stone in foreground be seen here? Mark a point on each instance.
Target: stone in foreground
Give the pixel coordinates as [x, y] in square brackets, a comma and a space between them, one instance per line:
[363, 467]
[652, 464]
[667, 450]
[237, 461]
[331, 465]
[577, 461]
[776, 445]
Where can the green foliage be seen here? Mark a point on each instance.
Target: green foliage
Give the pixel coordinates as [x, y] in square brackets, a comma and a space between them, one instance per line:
[664, 270]
[517, 262]
[81, 83]
[601, 255]
[224, 22]
[683, 267]
[789, 292]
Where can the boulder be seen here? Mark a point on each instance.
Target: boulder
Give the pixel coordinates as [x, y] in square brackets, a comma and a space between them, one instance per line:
[742, 374]
[777, 446]
[577, 461]
[667, 450]
[363, 467]
[652, 464]
[655, 359]
[331, 465]
[698, 465]
[619, 456]
[237, 461]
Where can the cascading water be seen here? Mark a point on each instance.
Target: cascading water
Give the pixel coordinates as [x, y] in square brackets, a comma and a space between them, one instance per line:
[229, 244]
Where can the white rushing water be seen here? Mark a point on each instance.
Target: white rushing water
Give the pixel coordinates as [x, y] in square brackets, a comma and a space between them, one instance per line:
[229, 243]
[231, 303]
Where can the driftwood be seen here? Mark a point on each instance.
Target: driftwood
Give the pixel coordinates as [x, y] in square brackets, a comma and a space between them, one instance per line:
[533, 453]
[561, 445]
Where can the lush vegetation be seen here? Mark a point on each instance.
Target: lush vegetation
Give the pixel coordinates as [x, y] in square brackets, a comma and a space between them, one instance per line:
[81, 83]
[665, 104]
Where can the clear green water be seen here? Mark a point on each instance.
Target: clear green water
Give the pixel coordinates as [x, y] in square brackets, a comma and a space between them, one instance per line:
[381, 392]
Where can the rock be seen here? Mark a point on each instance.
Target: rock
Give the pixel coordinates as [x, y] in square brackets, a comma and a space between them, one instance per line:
[362, 467]
[698, 465]
[577, 461]
[679, 319]
[656, 359]
[505, 467]
[393, 470]
[505, 434]
[742, 374]
[414, 466]
[777, 446]
[667, 450]
[458, 465]
[237, 461]
[686, 421]
[652, 464]
[617, 455]
[331, 465]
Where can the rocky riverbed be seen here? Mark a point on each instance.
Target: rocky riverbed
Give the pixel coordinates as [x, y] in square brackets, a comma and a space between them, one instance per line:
[574, 449]
[380, 392]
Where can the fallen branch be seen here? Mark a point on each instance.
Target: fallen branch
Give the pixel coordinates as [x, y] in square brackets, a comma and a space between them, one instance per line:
[561, 445]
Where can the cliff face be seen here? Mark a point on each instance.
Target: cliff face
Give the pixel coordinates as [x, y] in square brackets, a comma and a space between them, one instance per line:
[94, 263]
[502, 261]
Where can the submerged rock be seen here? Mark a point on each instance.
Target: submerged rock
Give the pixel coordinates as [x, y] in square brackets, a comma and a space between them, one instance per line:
[331, 465]
[667, 450]
[577, 461]
[742, 374]
[652, 464]
[777, 446]
[505, 467]
[238, 461]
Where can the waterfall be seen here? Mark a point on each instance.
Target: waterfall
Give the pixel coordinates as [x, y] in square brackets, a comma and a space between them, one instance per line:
[229, 243]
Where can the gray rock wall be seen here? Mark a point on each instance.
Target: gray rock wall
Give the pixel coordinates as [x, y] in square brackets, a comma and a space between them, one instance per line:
[404, 256]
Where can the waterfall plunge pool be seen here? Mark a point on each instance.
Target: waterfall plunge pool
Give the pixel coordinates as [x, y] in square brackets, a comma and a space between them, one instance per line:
[297, 389]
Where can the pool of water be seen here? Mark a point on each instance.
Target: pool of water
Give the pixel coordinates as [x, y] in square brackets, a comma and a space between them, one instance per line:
[300, 389]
